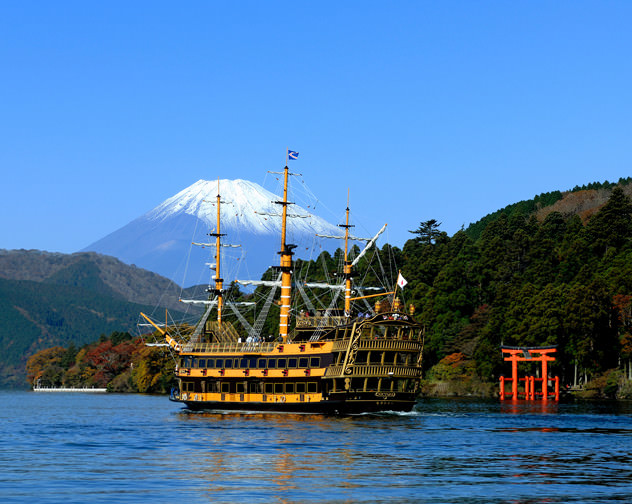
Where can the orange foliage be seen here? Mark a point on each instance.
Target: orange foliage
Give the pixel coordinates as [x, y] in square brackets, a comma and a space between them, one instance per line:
[454, 360]
[626, 345]
[623, 304]
[37, 362]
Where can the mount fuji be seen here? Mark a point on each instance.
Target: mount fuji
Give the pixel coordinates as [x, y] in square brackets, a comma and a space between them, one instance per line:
[161, 240]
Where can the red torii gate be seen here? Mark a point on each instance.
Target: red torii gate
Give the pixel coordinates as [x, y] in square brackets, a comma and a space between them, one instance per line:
[524, 354]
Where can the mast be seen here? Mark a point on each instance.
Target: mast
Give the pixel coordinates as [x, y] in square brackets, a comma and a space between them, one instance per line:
[286, 265]
[347, 263]
[219, 281]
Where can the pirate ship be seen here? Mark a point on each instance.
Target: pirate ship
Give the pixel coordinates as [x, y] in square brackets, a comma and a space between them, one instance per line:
[361, 355]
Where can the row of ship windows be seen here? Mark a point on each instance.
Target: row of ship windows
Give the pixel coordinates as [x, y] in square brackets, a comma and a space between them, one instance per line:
[251, 363]
[226, 387]
[299, 387]
[372, 384]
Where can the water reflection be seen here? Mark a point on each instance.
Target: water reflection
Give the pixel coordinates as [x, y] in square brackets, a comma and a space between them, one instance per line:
[254, 454]
[529, 407]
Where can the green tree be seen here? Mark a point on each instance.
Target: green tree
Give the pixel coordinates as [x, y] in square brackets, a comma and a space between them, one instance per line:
[612, 225]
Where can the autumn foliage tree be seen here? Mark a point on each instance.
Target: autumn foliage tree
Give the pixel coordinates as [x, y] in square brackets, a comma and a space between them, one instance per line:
[118, 363]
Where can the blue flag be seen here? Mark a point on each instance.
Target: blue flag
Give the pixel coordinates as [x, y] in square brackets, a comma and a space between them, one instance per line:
[292, 155]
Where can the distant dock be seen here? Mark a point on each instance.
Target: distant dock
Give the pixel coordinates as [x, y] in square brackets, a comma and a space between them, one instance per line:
[69, 389]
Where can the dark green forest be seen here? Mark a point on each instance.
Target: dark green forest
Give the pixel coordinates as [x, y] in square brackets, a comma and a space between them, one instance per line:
[37, 315]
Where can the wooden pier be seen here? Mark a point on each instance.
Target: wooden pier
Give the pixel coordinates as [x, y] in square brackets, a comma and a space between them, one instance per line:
[69, 389]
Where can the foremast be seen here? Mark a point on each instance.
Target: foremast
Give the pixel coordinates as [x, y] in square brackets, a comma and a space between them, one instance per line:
[223, 330]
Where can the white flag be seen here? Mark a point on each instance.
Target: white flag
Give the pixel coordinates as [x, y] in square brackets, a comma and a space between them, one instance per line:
[401, 281]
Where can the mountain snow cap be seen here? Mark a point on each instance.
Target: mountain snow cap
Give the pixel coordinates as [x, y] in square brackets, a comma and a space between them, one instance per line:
[245, 205]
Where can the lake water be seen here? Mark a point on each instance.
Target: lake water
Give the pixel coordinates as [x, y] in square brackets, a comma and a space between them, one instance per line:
[104, 448]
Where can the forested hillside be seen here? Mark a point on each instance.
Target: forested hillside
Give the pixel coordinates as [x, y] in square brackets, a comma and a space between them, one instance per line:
[36, 315]
[49, 299]
[564, 280]
[98, 273]
[581, 200]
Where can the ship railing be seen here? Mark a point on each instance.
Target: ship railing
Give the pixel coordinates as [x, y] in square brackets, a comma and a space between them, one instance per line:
[368, 370]
[379, 344]
[303, 321]
[232, 347]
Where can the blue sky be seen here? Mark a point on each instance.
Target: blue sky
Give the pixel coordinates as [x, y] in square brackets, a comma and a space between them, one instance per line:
[425, 110]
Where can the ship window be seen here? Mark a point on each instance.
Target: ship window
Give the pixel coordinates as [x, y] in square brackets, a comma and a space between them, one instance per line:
[240, 388]
[282, 363]
[314, 362]
[312, 387]
[255, 388]
[202, 363]
[269, 388]
[219, 363]
[194, 363]
[262, 364]
[210, 363]
[228, 363]
[252, 362]
[225, 387]
[243, 363]
[186, 362]
[372, 384]
[300, 388]
[291, 363]
[303, 362]
[212, 386]
[289, 388]
[376, 358]
[278, 388]
[271, 363]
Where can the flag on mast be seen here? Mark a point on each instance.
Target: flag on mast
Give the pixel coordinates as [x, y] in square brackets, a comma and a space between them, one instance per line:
[401, 281]
[292, 154]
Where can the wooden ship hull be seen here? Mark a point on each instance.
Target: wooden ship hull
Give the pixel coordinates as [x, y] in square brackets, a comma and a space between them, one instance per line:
[367, 365]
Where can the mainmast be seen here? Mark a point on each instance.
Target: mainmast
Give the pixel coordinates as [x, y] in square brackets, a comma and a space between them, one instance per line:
[286, 265]
[219, 281]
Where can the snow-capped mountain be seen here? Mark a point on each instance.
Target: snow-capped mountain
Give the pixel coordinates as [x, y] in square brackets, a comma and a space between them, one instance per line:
[161, 240]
